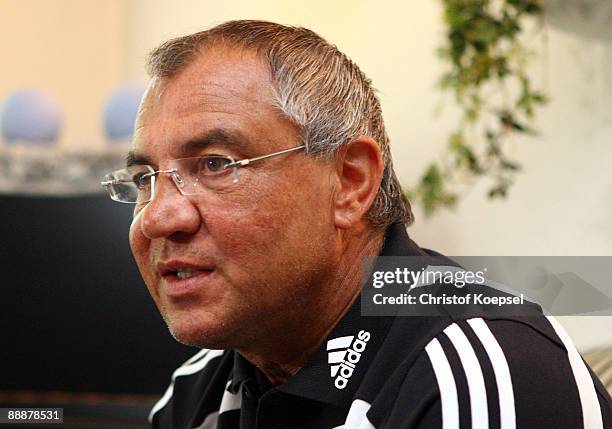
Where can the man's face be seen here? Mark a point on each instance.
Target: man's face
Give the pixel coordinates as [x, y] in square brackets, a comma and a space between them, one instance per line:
[260, 250]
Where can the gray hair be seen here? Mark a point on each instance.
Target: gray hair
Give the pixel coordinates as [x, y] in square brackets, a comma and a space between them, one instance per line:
[316, 86]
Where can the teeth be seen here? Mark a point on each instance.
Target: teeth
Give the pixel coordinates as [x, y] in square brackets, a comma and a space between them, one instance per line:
[186, 273]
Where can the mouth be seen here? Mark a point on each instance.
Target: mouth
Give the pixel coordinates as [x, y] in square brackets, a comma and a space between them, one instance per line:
[181, 279]
[184, 273]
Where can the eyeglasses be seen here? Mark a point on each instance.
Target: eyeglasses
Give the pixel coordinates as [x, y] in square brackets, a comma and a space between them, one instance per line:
[136, 184]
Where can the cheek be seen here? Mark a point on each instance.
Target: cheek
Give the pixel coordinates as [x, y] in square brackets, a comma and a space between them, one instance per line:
[245, 233]
[279, 225]
[139, 245]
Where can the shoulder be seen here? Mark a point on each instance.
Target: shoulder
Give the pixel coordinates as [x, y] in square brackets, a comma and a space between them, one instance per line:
[185, 385]
[504, 372]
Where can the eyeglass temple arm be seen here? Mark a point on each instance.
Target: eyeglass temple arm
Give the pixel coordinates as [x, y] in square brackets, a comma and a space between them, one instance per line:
[244, 162]
[153, 173]
[240, 163]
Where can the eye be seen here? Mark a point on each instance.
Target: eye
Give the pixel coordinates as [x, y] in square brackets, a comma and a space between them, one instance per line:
[142, 180]
[213, 164]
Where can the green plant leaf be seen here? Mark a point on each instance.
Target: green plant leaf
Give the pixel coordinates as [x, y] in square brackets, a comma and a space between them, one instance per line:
[483, 50]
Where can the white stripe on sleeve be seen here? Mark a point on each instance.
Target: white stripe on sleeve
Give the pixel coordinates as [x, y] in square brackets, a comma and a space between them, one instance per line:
[473, 374]
[446, 385]
[501, 370]
[356, 417]
[591, 411]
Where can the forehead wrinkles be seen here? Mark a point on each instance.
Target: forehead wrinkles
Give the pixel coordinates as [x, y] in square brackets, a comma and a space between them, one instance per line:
[215, 97]
[177, 103]
[220, 74]
[228, 82]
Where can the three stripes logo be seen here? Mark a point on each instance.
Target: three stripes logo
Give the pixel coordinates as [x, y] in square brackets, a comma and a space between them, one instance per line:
[343, 354]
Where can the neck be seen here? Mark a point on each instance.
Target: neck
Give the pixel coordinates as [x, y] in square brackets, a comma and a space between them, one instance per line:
[285, 348]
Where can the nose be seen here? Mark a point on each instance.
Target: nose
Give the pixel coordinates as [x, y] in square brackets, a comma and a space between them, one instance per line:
[169, 212]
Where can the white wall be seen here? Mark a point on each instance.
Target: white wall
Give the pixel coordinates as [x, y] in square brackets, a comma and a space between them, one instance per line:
[72, 50]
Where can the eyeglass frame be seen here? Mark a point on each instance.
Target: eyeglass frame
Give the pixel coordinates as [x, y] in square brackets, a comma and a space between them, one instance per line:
[233, 164]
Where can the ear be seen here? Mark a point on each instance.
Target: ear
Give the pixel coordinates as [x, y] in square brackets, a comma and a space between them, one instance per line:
[359, 168]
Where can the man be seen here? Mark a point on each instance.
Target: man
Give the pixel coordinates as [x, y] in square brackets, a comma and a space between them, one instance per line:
[262, 177]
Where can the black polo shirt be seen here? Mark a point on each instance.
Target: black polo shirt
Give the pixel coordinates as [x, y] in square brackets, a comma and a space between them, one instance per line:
[400, 372]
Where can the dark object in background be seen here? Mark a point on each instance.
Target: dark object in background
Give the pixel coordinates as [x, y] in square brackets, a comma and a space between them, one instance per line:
[75, 313]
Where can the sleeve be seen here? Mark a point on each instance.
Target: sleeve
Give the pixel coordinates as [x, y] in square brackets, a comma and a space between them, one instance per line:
[500, 374]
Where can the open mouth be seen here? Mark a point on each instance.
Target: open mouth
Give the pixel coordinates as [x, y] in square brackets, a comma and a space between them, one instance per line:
[184, 273]
[180, 281]
[177, 271]
[187, 273]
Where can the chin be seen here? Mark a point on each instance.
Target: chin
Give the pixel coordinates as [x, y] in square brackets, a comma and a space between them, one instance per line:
[210, 335]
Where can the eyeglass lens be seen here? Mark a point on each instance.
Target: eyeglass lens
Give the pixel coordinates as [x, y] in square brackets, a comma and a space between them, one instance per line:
[136, 184]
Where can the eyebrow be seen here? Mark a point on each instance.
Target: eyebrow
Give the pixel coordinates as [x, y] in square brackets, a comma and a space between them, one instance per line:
[133, 158]
[233, 138]
[216, 136]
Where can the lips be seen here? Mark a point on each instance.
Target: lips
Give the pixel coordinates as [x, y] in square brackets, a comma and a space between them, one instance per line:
[181, 278]
[181, 268]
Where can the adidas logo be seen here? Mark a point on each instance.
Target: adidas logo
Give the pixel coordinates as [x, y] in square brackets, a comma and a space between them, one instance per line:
[343, 354]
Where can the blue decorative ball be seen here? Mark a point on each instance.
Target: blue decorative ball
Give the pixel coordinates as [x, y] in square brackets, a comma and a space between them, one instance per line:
[120, 111]
[29, 116]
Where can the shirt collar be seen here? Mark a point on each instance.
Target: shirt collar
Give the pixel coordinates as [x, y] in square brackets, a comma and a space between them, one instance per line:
[241, 371]
[244, 371]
